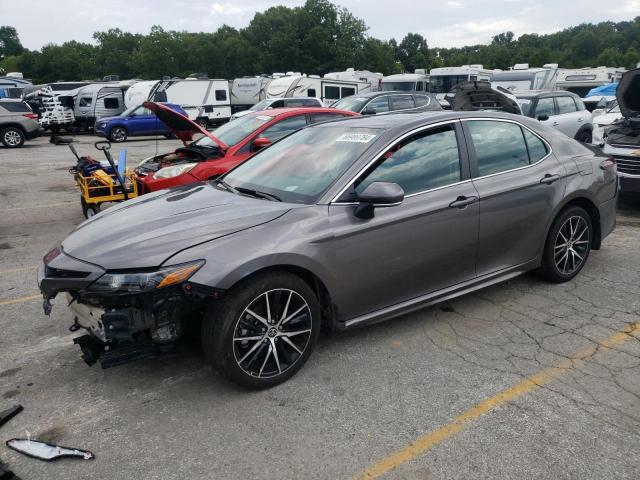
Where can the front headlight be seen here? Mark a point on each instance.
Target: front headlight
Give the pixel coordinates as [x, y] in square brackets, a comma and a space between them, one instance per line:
[132, 282]
[174, 171]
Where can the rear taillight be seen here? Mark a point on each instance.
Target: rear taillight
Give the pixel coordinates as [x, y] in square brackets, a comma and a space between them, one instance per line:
[608, 164]
[32, 116]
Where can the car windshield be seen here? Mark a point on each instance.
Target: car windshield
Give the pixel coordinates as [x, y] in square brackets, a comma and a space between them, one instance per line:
[234, 132]
[353, 104]
[444, 83]
[300, 168]
[261, 105]
[402, 86]
[525, 104]
[128, 111]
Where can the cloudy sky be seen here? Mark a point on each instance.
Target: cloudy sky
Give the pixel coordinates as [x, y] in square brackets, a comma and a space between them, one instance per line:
[445, 23]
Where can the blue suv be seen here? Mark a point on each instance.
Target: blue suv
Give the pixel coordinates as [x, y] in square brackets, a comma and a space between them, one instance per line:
[134, 121]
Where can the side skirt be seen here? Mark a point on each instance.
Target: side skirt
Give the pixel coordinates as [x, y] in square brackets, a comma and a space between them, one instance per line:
[439, 296]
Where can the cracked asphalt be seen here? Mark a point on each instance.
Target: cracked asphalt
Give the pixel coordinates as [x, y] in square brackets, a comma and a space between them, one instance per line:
[363, 395]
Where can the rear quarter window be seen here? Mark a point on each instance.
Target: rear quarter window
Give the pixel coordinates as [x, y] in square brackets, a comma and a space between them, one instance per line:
[18, 107]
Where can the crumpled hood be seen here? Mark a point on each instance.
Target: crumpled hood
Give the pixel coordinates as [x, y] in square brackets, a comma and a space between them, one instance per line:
[146, 231]
[480, 95]
[628, 93]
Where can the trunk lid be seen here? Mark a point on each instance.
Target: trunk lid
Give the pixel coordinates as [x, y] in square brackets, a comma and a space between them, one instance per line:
[480, 95]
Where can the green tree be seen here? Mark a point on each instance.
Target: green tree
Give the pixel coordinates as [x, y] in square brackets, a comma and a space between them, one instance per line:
[413, 52]
[9, 42]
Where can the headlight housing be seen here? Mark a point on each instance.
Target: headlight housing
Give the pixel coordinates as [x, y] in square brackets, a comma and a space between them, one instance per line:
[138, 282]
[174, 171]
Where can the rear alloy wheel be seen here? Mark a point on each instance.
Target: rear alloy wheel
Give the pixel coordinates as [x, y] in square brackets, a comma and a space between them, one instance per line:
[118, 134]
[568, 245]
[203, 122]
[264, 330]
[12, 137]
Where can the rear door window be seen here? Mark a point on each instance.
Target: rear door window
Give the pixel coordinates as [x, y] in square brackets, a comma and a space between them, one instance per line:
[545, 106]
[421, 100]
[565, 105]
[284, 127]
[402, 102]
[17, 107]
[499, 146]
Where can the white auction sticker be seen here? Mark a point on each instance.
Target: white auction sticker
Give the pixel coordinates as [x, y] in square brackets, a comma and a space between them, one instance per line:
[356, 137]
[263, 117]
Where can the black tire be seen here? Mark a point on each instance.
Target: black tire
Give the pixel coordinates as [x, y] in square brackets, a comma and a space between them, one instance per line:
[203, 122]
[169, 136]
[559, 264]
[12, 137]
[118, 134]
[89, 209]
[228, 317]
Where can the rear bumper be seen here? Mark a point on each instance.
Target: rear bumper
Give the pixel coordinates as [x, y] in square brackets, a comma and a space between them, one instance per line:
[34, 133]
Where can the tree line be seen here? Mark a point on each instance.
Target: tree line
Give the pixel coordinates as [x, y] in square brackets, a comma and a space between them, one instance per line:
[315, 38]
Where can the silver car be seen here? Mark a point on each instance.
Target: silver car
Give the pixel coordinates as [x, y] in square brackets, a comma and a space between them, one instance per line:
[338, 225]
[17, 123]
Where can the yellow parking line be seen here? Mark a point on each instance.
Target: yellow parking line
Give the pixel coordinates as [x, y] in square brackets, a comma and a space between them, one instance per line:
[15, 270]
[11, 301]
[463, 421]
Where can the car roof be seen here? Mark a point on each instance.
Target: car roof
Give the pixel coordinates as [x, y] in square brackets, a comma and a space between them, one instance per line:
[277, 112]
[387, 92]
[544, 93]
[396, 123]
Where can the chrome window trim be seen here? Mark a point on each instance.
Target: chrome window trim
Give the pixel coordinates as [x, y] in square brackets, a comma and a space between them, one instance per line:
[548, 145]
[381, 152]
[435, 125]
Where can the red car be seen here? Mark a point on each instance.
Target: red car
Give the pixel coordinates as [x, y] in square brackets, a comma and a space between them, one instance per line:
[224, 148]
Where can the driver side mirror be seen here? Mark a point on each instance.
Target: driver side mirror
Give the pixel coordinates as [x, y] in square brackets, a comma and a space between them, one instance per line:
[369, 111]
[378, 194]
[260, 143]
[544, 117]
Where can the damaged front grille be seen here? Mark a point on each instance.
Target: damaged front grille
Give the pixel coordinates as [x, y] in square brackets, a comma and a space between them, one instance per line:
[58, 273]
[628, 164]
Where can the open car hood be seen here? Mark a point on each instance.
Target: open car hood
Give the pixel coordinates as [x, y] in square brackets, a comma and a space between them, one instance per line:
[480, 95]
[181, 126]
[628, 93]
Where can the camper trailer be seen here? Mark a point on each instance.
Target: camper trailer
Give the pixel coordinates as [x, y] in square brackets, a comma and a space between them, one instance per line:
[205, 101]
[138, 93]
[581, 80]
[352, 75]
[406, 82]
[442, 80]
[247, 91]
[327, 90]
[93, 101]
[520, 77]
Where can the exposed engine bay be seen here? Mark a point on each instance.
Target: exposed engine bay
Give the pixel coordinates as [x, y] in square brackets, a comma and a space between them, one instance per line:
[183, 155]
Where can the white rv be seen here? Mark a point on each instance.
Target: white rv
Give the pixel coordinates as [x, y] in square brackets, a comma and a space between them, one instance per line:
[581, 80]
[417, 81]
[442, 80]
[520, 77]
[327, 90]
[139, 92]
[247, 91]
[352, 75]
[92, 102]
[205, 101]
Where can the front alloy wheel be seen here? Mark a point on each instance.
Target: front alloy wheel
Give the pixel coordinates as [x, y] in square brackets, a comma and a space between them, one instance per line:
[263, 330]
[118, 134]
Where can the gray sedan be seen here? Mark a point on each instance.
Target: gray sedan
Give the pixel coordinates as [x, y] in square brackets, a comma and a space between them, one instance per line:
[339, 225]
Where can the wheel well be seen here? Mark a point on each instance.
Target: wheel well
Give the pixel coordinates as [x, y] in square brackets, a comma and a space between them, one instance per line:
[326, 305]
[594, 214]
[118, 126]
[15, 125]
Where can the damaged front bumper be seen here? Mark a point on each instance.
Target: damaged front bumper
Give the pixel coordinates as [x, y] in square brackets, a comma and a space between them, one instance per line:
[122, 325]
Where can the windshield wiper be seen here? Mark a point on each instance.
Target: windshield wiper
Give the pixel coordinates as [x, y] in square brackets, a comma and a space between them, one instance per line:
[259, 194]
[225, 185]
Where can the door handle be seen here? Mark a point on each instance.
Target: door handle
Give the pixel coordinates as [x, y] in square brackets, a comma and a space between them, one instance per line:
[580, 120]
[548, 179]
[462, 202]
[555, 124]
